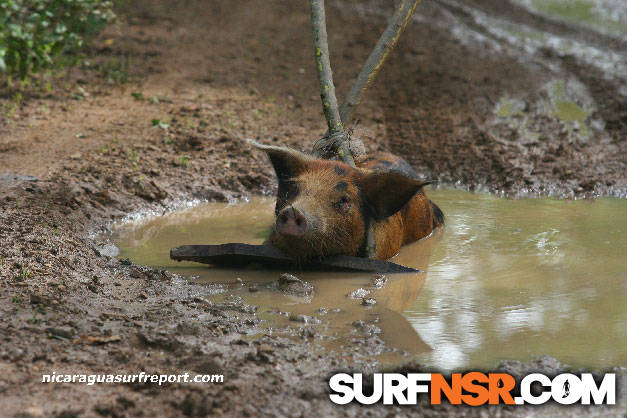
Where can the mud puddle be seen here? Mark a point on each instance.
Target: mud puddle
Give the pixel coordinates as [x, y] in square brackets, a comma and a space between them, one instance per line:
[506, 279]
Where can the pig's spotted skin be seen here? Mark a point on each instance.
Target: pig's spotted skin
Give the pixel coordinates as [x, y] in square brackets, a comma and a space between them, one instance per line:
[333, 228]
[339, 170]
[339, 202]
[341, 186]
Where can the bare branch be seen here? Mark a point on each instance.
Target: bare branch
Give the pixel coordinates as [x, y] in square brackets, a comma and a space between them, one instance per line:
[373, 64]
[336, 136]
[386, 43]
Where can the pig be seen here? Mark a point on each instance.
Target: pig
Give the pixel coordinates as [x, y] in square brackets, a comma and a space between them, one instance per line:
[325, 207]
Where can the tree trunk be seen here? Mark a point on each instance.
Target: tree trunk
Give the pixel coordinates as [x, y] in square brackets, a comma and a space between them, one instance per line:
[337, 139]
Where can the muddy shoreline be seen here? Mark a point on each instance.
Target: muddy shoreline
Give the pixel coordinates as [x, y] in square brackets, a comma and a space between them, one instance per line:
[75, 160]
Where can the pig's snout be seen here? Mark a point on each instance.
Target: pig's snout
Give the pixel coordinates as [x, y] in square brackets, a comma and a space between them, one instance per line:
[291, 221]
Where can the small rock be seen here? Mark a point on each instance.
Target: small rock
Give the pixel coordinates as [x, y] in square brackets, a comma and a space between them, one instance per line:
[209, 366]
[265, 348]
[10, 179]
[306, 319]
[105, 197]
[150, 190]
[292, 285]
[136, 273]
[107, 250]
[366, 328]
[308, 333]
[13, 353]
[253, 289]
[65, 332]
[261, 357]
[34, 329]
[199, 299]
[368, 301]
[33, 411]
[379, 281]
[359, 293]
[187, 328]
[588, 184]
[39, 299]
[126, 262]
[235, 304]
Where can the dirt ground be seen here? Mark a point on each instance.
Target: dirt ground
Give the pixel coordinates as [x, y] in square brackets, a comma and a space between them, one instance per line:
[158, 117]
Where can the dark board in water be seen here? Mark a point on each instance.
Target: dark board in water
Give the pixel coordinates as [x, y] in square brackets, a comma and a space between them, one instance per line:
[238, 254]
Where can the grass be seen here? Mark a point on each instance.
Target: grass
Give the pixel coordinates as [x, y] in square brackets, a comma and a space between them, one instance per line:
[508, 108]
[570, 112]
[115, 70]
[25, 273]
[140, 183]
[579, 11]
[160, 124]
[34, 320]
[567, 110]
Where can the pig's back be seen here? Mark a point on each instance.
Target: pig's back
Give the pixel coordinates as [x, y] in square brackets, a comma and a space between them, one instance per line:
[384, 161]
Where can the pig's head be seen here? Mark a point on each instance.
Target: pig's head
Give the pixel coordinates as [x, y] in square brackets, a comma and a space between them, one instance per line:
[323, 206]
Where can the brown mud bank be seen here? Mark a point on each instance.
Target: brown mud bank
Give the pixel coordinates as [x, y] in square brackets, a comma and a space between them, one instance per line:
[198, 78]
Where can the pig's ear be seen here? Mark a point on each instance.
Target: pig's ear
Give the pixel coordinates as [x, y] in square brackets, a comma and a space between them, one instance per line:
[287, 162]
[386, 192]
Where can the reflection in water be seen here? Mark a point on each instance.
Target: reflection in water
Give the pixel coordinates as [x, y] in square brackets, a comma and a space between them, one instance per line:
[149, 243]
[515, 279]
[508, 279]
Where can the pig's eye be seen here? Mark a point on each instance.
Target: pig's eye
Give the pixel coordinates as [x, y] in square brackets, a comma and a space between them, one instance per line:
[343, 205]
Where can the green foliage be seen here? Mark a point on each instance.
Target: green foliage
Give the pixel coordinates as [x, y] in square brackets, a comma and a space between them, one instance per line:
[35, 33]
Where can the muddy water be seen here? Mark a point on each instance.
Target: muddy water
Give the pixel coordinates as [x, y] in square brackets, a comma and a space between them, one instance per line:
[505, 279]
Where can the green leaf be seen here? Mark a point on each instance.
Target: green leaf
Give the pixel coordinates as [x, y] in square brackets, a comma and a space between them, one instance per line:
[34, 32]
